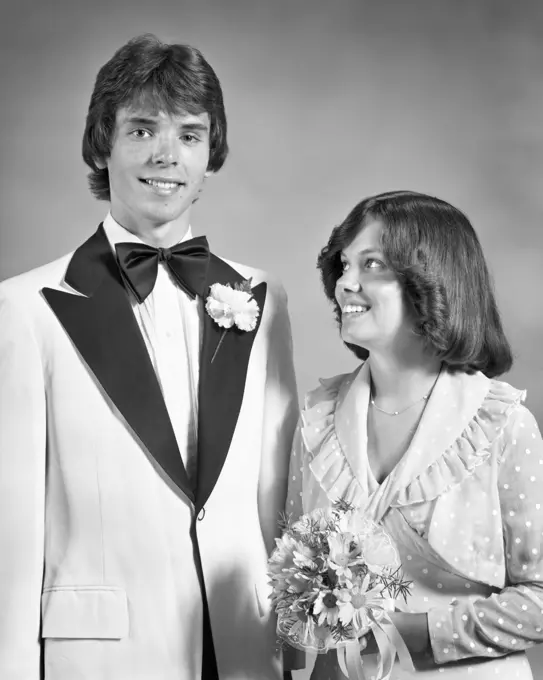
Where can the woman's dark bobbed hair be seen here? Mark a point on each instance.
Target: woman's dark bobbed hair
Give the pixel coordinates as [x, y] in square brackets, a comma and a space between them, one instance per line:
[160, 77]
[434, 250]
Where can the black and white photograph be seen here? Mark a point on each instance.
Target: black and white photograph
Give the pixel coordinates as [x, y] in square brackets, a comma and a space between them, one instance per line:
[271, 379]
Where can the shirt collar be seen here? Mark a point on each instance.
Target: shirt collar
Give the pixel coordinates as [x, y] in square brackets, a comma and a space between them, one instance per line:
[117, 234]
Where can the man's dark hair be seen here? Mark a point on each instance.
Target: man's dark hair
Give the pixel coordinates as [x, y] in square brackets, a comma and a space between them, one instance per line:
[150, 74]
[437, 257]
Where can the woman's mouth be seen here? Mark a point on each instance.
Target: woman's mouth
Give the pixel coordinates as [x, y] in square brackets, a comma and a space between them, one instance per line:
[351, 310]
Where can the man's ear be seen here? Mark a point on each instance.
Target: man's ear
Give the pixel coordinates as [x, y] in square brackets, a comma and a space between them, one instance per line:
[100, 163]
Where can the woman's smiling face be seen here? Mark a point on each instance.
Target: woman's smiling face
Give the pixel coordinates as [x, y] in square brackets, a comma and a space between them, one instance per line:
[373, 309]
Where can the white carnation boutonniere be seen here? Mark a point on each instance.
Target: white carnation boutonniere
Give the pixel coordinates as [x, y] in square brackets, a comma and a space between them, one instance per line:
[232, 306]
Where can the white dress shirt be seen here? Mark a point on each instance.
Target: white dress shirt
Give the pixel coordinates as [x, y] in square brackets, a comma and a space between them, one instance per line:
[170, 323]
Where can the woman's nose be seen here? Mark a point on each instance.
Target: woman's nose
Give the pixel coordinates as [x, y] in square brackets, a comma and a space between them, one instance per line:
[349, 283]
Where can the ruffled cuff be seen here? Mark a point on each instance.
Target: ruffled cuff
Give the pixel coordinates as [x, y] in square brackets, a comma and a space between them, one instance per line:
[443, 636]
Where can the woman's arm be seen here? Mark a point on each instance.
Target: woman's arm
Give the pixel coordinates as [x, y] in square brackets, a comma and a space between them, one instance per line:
[511, 620]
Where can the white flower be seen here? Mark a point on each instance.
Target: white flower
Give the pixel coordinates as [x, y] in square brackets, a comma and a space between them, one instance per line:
[229, 306]
[380, 554]
[343, 553]
[325, 607]
[358, 601]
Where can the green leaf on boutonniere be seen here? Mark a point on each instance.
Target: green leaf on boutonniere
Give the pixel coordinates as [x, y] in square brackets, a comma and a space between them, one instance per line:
[245, 286]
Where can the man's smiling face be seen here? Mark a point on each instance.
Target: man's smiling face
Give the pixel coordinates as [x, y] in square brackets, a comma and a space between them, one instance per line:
[156, 167]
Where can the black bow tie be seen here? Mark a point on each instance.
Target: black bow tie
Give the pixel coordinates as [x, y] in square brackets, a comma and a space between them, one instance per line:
[187, 261]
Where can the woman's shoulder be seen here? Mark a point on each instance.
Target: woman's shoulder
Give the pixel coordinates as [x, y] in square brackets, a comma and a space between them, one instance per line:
[485, 410]
[502, 391]
[479, 417]
[519, 421]
[325, 457]
[328, 389]
[472, 404]
[501, 403]
[504, 407]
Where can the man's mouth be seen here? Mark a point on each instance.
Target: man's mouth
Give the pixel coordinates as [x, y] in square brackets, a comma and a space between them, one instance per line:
[162, 184]
[164, 188]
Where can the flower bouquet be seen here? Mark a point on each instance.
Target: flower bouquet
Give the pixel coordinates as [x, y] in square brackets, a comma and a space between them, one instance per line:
[335, 575]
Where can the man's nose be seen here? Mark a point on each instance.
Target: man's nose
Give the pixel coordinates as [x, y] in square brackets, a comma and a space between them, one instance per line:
[166, 151]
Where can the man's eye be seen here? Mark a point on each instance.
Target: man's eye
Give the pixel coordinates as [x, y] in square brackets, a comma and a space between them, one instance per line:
[140, 133]
[190, 138]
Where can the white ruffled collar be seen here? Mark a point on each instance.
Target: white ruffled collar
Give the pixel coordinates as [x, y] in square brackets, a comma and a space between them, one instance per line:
[464, 414]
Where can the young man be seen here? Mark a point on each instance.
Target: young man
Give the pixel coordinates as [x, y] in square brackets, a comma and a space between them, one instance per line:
[146, 414]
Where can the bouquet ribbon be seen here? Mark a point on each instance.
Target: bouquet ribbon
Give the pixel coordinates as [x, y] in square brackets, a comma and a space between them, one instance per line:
[389, 643]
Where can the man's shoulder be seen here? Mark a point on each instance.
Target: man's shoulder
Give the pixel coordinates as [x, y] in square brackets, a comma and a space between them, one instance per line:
[274, 285]
[31, 282]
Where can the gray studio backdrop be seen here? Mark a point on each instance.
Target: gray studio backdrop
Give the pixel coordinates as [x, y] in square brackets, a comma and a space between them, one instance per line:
[327, 102]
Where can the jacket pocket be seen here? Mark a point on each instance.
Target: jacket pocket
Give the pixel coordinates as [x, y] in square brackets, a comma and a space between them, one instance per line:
[95, 612]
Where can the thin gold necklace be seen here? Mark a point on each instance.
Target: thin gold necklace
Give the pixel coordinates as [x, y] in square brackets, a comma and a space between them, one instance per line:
[397, 413]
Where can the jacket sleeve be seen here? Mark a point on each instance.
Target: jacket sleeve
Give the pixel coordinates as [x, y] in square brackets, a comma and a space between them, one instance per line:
[22, 493]
[280, 416]
[295, 659]
[512, 619]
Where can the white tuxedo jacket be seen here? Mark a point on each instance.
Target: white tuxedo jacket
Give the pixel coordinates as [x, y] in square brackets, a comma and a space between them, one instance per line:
[105, 549]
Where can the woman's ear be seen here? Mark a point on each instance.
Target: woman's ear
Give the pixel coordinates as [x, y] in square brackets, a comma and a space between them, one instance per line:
[100, 163]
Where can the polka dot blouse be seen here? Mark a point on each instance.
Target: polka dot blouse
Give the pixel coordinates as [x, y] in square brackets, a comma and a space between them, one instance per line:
[464, 505]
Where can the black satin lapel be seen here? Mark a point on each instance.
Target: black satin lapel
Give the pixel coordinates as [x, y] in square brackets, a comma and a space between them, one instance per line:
[222, 384]
[106, 334]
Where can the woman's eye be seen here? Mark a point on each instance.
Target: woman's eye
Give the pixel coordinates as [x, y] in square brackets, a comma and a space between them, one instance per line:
[344, 266]
[372, 263]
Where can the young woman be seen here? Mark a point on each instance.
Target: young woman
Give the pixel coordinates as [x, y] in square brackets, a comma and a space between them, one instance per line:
[425, 438]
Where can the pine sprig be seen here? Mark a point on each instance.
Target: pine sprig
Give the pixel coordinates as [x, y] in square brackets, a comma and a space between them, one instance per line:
[342, 505]
[396, 584]
[341, 632]
[285, 522]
